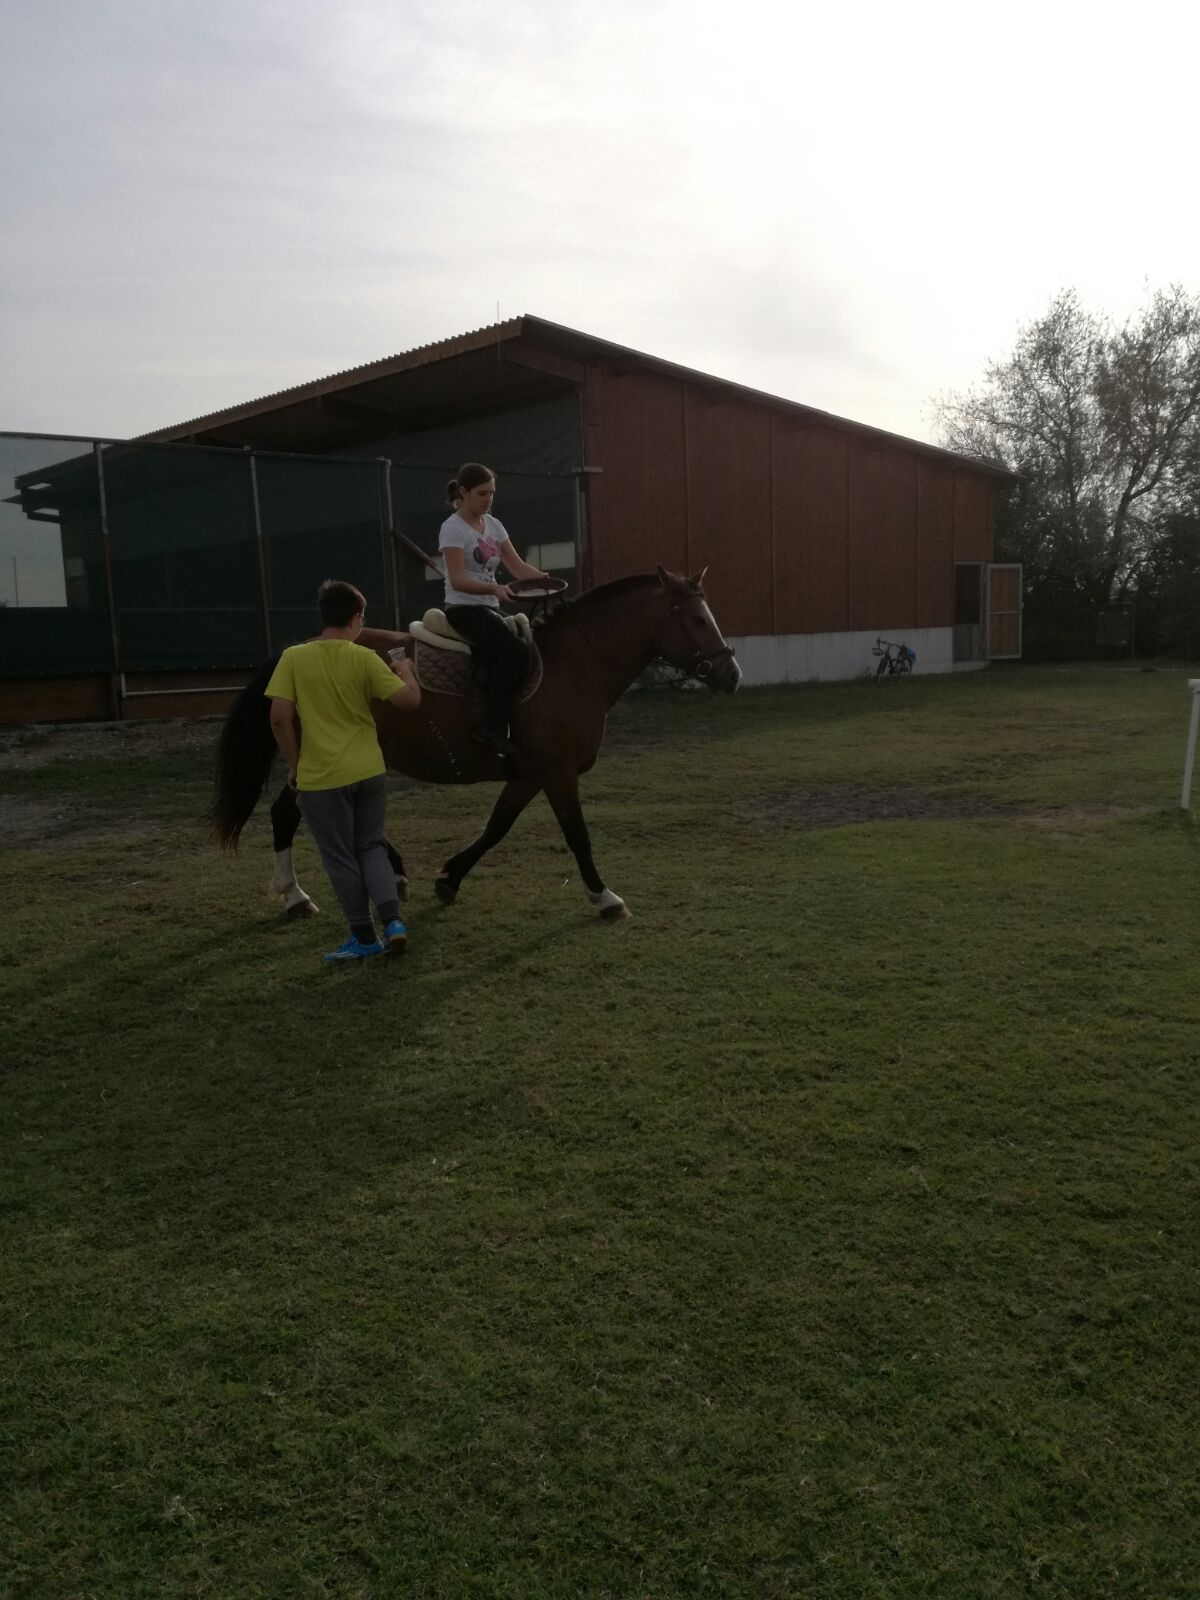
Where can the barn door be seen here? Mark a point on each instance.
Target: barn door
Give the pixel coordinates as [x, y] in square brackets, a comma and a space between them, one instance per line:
[1003, 604]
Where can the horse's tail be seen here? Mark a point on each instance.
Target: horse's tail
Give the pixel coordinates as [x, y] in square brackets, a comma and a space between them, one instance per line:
[245, 753]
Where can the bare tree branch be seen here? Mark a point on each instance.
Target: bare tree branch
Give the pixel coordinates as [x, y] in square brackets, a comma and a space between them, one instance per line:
[1104, 424]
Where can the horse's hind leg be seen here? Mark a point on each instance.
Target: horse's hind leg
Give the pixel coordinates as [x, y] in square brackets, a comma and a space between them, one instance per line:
[510, 803]
[398, 871]
[285, 820]
[564, 799]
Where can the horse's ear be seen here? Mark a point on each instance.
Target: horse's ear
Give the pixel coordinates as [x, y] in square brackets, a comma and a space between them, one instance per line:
[664, 577]
[698, 580]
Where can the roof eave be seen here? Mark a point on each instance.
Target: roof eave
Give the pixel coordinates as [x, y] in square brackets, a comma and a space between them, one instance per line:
[352, 377]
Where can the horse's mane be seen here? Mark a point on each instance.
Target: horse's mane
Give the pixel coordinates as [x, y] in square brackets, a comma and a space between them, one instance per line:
[590, 598]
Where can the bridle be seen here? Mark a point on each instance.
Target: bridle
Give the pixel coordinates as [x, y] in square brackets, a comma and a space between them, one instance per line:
[697, 662]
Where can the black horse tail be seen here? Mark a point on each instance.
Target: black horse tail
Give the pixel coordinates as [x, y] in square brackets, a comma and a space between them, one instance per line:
[245, 754]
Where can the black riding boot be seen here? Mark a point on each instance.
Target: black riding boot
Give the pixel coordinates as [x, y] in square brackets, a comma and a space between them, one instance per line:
[492, 730]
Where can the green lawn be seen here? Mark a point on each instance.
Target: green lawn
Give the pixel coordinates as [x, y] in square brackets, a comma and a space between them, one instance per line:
[828, 1230]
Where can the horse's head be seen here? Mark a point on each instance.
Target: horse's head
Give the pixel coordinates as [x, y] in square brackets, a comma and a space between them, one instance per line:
[690, 640]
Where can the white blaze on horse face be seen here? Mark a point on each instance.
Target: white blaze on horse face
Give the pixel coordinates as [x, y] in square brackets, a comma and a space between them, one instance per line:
[708, 617]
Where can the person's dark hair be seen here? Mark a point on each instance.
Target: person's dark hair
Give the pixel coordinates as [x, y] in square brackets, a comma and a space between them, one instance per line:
[469, 476]
[339, 603]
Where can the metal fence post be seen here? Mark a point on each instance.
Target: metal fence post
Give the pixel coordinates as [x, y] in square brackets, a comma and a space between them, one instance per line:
[263, 588]
[391, 559]
[116, 680]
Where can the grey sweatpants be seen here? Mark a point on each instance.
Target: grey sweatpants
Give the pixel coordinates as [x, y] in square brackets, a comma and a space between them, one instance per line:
[347, 825]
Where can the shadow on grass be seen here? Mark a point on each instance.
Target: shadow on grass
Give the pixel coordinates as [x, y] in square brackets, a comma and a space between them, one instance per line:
[236, 1080]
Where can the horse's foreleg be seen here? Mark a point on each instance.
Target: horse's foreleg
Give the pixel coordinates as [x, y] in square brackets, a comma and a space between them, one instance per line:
[510, 803]
[285, 820]
[564, 800]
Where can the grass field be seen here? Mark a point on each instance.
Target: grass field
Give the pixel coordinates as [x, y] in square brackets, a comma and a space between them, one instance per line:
[827, 1230]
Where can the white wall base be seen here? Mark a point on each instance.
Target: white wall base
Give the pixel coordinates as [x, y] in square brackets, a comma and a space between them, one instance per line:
[829, 657]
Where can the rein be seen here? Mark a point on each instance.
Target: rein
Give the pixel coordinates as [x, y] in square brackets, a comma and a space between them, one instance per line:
[698, 663]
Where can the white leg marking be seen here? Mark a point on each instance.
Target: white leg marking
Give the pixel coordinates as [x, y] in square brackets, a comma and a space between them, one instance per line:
[283, 881]
[606, 902]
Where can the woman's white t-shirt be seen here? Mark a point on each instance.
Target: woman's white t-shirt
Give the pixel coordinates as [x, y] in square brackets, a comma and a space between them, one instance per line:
[481, 555]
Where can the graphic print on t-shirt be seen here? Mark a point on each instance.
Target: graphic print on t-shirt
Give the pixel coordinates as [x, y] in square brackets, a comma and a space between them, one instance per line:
[485, 550]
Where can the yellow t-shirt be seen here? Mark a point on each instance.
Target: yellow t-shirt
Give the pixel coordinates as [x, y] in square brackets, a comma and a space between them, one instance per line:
[332, 683]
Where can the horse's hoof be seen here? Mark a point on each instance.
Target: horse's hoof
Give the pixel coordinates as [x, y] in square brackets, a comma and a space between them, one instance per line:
[302, 908]
[609, 905]
[401, 888]
[445, 891]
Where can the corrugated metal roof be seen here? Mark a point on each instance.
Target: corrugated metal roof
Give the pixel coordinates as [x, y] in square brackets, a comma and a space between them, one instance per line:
[349, 378]
[561, 340]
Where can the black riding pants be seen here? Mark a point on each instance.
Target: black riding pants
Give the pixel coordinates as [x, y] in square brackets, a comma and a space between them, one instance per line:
[497, 649]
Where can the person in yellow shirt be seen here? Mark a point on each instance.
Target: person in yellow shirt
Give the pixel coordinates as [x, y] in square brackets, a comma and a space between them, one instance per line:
[336, 766]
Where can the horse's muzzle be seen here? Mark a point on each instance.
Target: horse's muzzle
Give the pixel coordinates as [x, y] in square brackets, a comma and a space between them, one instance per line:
[723, 677]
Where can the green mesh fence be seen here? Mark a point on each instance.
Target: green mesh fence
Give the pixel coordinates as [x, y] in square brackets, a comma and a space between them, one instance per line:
[215, 556]
[184, 557]
[322, 517]
[54, 616]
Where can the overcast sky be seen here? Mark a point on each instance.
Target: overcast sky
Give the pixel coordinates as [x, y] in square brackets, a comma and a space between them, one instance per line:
[852, 206]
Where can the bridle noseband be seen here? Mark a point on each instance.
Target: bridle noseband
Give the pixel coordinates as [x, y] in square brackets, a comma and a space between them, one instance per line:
[698, 663]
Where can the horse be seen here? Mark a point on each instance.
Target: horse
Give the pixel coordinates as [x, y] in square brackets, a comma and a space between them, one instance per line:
[592, 648]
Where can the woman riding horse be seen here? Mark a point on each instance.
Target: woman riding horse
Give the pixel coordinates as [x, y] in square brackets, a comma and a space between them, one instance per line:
[473, 543]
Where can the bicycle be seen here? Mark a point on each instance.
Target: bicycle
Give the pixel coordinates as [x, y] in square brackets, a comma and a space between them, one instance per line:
[895, 660]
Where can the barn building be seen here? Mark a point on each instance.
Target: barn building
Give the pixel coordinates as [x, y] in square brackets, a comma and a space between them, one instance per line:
[149, 576]
[819, 533]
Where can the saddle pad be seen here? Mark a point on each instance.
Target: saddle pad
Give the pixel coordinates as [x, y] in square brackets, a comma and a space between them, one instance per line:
[446, 672]
[438, 641]
[435, 630]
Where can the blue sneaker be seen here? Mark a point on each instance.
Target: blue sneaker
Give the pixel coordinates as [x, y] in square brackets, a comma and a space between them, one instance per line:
[395, 937]
[354, 950]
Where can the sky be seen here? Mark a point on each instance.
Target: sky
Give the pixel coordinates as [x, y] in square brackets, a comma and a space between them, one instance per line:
[854, 207]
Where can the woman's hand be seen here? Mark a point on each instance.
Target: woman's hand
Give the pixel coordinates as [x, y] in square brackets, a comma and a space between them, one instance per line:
[503, 592]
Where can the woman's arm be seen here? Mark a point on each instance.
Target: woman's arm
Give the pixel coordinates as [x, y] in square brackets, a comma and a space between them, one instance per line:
[514, 564]
[456, 568]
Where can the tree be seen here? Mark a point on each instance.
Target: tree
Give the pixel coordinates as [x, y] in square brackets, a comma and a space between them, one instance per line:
[1103, 424]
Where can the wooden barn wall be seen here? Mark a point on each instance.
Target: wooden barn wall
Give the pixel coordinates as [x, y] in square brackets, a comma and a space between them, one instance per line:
[94, 697]
[935, 534]
[883, 537]
[729, 508]
[808, 529]
[638, 507]
[87, 698]
[972, 518]
[810, 493]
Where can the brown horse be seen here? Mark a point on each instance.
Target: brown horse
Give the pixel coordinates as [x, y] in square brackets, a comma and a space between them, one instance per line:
[592, 649]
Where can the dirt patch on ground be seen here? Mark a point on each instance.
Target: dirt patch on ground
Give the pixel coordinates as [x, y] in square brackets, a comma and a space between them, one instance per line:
[46, 824]
[849, 807]
[60, 825]
[68, 820]
[24, 749]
